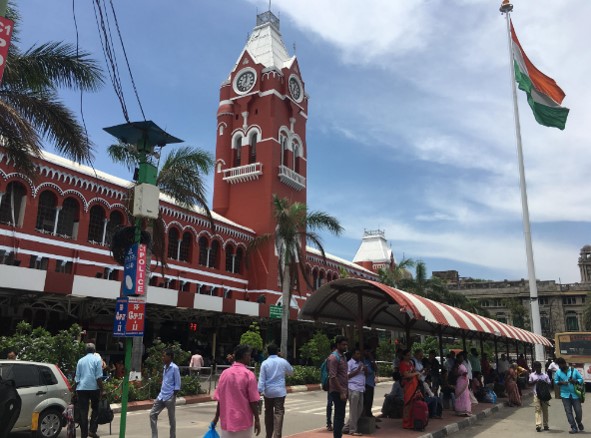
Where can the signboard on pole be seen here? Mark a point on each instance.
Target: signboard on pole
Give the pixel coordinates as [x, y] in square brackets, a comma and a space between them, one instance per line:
[129, 317]
[134, 271]
[275, 312]
[6, 27]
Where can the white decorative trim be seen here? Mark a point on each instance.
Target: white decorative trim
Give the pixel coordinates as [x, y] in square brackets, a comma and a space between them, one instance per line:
[291, 178]
[248, 172]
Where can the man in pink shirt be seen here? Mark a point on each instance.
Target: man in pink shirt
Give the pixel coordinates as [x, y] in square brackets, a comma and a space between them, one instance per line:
[238, 398]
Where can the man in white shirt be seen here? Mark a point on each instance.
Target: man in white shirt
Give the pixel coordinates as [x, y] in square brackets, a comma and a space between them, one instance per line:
[503, 367]
[418, 361]
[196, 361]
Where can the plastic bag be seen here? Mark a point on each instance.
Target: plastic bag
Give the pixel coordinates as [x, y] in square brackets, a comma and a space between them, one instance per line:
[211, 433]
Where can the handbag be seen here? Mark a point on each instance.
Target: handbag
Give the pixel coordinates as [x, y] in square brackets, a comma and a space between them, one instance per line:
[211, 432]
[579, 388]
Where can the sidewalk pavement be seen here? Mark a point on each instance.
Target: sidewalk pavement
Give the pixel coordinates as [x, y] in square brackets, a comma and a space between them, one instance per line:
[436, 428]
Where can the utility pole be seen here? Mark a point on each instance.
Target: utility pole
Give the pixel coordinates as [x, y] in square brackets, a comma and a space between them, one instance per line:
[145, 136]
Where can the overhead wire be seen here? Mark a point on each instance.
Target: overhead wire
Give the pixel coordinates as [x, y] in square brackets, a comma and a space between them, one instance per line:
[127, 60]
[110, 56]
[81, 89]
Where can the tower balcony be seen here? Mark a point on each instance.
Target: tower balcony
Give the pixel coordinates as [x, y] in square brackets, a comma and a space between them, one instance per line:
[291, 178]
[248, 172]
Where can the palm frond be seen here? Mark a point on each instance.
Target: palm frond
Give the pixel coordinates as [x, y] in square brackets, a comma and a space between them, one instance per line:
[181, 177]
[319, 220]
[49, 116]
[50, 66]
[123, 153]
[19, 138]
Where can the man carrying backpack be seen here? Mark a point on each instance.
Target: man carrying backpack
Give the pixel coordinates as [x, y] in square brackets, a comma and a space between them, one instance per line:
[542, 395]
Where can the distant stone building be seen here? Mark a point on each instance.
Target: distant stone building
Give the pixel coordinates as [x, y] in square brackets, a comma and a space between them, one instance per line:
[561, 305]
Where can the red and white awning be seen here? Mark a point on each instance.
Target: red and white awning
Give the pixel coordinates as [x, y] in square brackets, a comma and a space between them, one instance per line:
[377, 305]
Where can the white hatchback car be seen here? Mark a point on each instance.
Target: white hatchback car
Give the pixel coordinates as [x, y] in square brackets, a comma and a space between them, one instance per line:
[43, 388]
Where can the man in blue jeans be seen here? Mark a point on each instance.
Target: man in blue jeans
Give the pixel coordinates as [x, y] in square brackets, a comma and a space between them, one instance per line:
[565, 377]
[337, 383]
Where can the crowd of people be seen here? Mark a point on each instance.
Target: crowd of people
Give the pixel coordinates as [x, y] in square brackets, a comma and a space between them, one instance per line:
[460, 382]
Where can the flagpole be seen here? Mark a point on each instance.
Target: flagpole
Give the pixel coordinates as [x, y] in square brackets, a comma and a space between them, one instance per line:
[506, 8]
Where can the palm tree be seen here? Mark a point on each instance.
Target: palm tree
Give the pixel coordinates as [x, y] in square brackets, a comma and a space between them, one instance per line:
[393, 276]
[30, 109]
[295, 227]
[180, 177]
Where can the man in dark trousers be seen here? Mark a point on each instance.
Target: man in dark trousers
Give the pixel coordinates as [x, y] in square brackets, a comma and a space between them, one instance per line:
[89, 388]
[171, 385]
[337, 383]
[272, 387]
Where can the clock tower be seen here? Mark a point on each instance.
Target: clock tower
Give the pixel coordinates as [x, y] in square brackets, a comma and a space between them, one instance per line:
[261, 140]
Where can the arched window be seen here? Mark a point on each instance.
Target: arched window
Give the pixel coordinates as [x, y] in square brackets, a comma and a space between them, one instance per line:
[69, 218]
[284, 154]
[297, 151]
[321, 278]
[186, 247]
[96, 224]
[173, 244]
[46, 212]
[237, 151]
[238, 261]
[252, 148]
[115, 221]
[572, 322]
[12, 206]
[203, 250]
[230, 258]
[214, 253]
[316, 279]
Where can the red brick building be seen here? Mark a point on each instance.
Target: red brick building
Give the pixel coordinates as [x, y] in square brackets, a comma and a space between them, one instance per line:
[55, 231]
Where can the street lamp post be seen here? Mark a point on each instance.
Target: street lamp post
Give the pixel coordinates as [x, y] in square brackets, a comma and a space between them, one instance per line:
[145, 136]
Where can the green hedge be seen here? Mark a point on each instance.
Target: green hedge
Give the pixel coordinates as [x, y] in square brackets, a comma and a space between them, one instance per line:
[148, 389]
[303, 374]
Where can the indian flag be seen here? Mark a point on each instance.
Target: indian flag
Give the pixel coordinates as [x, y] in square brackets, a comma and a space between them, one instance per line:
[543, 93]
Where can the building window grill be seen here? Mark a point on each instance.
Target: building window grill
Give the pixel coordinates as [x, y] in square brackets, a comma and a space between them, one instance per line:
[69, 217]
[46, 212]
[12, 202]
[173, 243]
[186, 247]
[96, 224]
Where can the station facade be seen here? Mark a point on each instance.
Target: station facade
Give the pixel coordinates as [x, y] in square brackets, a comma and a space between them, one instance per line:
[55, 230]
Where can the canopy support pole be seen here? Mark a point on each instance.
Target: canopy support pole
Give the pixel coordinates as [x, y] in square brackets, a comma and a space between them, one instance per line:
[464, 341]
[481, 345]
[525, 351]
[440, 339]
[496, 353]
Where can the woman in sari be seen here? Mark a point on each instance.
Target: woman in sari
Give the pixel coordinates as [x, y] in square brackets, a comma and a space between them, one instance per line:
[410, 384]
[511, 387]
[463, 404]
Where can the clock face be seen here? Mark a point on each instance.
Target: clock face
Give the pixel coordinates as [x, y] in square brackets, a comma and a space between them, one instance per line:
[245, 81]
[295, 88]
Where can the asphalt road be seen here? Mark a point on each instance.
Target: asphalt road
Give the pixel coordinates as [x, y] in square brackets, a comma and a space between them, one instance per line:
[520, 423]
[304, 411]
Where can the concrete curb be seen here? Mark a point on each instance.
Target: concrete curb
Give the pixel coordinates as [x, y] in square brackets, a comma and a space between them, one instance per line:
[469, 421]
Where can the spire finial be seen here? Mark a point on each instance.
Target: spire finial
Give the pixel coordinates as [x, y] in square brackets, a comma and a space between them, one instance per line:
[270, 5]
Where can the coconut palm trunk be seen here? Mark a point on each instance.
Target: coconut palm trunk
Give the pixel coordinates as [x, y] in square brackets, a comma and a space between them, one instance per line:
[286, 294]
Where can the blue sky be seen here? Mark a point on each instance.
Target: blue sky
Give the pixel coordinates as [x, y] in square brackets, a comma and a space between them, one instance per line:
[410, 124]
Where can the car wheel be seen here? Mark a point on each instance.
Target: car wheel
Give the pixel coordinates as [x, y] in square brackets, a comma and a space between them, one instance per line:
[50, 424]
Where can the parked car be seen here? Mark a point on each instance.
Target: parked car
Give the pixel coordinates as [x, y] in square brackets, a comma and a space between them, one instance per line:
[43, 388]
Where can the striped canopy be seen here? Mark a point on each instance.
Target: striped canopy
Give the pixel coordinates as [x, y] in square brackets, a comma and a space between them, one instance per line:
[373, 304]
